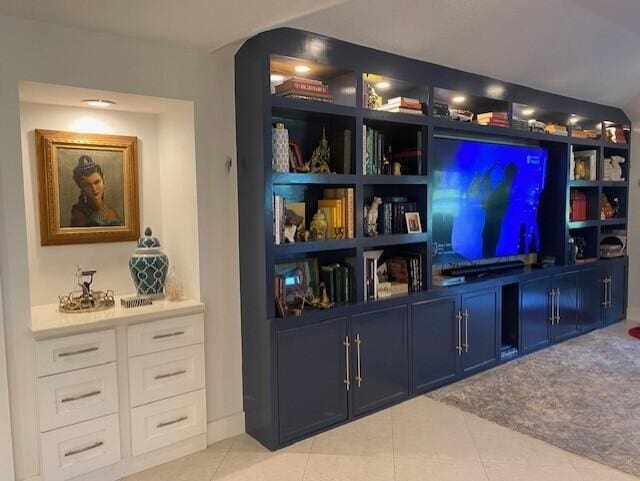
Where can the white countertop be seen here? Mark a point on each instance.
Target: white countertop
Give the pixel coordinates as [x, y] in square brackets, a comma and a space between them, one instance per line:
[47, 321]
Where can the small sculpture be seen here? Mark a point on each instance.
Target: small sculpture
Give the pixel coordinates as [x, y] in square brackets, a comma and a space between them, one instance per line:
[87, 300]
[372, 217]
[607, 211]
[373, 99]
[397, 168]
[318, 226]
[321, 156]
[612, 168]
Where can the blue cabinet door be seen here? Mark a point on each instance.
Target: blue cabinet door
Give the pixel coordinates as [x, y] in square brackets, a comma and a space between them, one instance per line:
[481, 329]
[312, 393]
[435, 342]
[614, 310]
[591, 291]
[535, 314]
[566, 324]
[380, 358]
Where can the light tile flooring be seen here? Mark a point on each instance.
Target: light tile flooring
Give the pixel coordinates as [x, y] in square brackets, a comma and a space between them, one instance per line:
[419, 440]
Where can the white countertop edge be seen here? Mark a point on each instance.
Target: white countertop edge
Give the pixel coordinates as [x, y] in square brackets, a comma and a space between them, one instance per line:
[47, 321]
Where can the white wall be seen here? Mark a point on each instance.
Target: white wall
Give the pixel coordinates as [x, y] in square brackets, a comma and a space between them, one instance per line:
[52, 268]
[6, 444]
[40, 52]
[633, 219]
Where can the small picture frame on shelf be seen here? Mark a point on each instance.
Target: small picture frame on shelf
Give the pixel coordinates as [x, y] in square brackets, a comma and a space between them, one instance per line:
[413, 222]
[583, 165]
[296, 159]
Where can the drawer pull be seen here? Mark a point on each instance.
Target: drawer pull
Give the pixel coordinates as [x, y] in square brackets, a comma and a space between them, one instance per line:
[85, 449]
[78, 352]
[169, 423]
[170, 374]
[169, 334]
[80, 396]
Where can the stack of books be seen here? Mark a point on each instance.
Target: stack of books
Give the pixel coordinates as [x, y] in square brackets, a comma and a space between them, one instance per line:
[391, 215]
[519, 124]
[279, 211]
[556, 129]
[339, 204]
[406, 269]
[372, 151]
[404, 105]
[304, 88]
[616, 135]
[495, 119]
[536, 126]
[337, 281]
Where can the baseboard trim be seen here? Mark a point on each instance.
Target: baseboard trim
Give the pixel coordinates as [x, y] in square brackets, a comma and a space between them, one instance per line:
[633, 313]
[224, 428]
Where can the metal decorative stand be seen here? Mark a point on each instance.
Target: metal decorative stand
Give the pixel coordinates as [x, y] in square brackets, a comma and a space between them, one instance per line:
[88, 300]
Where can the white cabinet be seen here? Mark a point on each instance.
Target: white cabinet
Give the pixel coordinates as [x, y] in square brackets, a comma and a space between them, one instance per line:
[153, 371]
[165, 334]
[75, 352]
[166, 422]
[80, 449]
[165, 374]
[72, 397]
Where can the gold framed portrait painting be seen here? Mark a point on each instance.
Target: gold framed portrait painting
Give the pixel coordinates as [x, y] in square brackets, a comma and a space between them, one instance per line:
[88, 187]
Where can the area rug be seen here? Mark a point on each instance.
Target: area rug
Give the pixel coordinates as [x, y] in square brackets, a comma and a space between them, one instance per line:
[582, 396]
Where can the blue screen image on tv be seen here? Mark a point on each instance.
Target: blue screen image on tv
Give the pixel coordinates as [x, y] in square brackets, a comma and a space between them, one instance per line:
[485, 199]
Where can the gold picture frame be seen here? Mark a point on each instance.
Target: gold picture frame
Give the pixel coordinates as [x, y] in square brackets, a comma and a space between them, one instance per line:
[87, 187]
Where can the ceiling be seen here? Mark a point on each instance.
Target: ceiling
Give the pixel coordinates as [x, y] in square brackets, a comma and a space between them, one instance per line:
[588, 49]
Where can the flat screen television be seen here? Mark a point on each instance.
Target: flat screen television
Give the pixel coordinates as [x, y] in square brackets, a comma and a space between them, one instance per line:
[485, 199]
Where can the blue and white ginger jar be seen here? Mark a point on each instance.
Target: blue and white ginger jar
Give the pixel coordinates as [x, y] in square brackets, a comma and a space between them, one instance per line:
[149, 266]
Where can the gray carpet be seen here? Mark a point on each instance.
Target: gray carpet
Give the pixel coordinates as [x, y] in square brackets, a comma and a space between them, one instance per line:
[582, 396]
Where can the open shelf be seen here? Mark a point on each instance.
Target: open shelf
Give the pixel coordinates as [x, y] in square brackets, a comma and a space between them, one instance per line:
[394, 239]
[391, 148]
[459, 106]
[394, 96]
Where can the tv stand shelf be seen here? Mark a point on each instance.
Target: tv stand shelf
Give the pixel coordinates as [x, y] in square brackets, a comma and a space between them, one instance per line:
[295, 377]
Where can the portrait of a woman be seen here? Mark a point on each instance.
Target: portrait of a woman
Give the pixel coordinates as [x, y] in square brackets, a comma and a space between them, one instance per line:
[91, 209]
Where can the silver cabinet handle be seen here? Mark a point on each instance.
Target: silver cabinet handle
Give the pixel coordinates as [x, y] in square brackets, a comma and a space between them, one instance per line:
[459, 345]
[552, 297]
[169, 334]
[358, 342]
[466, 331]
[606, 290]
[346, 345]
[609, 279]
[95, 445]
[170, 374]
[78, 352]
[558, 306]
[80, 396]
[169, 423]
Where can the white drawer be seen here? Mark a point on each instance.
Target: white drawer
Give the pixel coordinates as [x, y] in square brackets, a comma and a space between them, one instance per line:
[81, 448]
[166, 422]
[166, 374]
[165, 334]
[75, 352]
[73, 397]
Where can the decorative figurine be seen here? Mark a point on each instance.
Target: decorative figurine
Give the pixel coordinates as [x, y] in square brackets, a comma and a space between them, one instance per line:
[373, 99]
[612, 168]
[321, 156]
[87, 300]
[318, 227]
[397, 168]
[606, 211]
[149, 266]
[372, 217]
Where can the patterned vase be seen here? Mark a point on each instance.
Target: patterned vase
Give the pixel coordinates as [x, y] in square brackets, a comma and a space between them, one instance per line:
[149, 266]
[280, 148]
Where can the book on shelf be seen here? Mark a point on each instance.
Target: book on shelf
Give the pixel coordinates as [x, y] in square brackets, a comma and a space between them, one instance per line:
[347, 195]
[337, 279]
[556, 129]
[405, 102]
[334, 212]
[391, 215]
[297, 93]
[301, 85]
[341, 150]
[396, 275]
[493, 123]
[278, 208]
[493, 115]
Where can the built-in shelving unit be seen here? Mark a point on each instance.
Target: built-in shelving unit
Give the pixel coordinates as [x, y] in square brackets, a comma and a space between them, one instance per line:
[358, 89]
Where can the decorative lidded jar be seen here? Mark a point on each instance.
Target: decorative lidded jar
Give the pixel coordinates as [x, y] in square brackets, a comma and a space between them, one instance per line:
[149, 266]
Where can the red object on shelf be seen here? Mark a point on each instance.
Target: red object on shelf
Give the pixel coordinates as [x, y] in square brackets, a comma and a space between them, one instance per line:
[578, 206]
[635, 332]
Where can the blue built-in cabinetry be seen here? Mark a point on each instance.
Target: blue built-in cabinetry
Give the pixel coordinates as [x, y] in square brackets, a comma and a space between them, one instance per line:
[308, 373]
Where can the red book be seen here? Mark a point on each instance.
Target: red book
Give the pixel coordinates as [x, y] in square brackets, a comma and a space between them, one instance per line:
[294, 85]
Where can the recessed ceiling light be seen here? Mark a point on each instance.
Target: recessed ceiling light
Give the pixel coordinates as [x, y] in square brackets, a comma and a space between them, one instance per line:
[574, 119]
[383, 85]
[99, 103]
[495, 91]
[302, 68]
[459, 99]
[274, 77]
[528, 111]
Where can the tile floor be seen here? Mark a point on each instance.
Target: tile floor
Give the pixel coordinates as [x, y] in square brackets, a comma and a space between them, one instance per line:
[419, 440]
